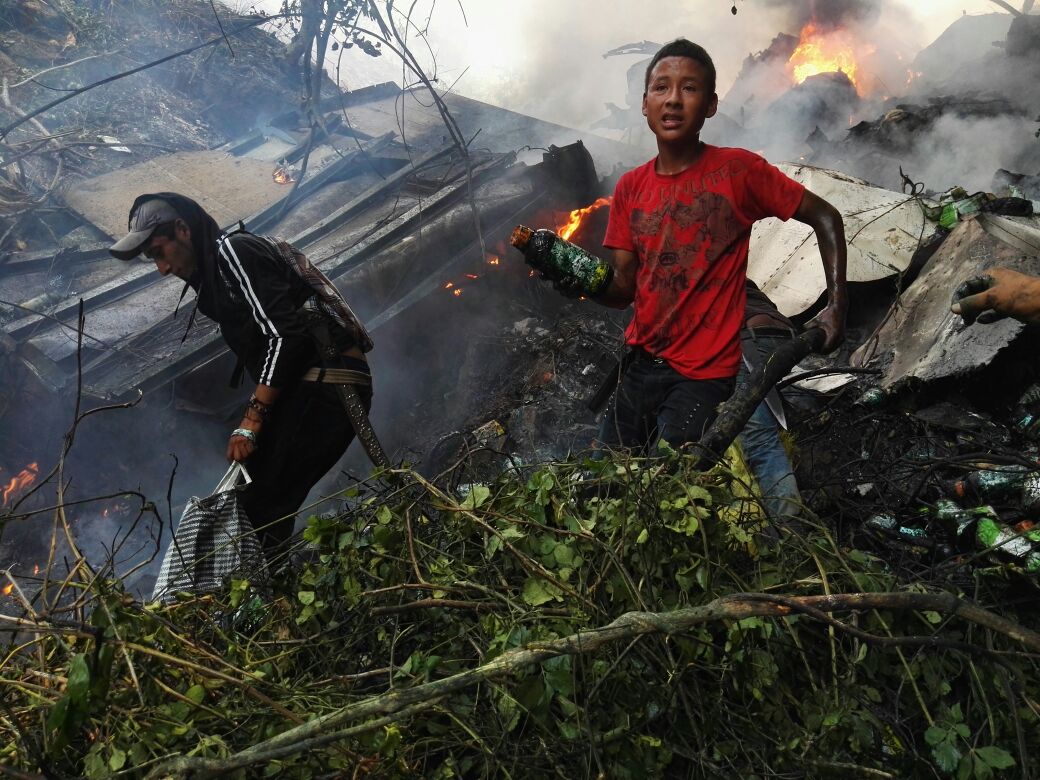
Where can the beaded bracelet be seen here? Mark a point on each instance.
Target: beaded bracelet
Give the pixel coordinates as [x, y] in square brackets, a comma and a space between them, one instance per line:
[259, 407]
[245, 433]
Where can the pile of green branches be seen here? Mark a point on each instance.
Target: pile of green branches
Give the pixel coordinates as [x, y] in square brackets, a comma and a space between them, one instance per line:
[614, 618]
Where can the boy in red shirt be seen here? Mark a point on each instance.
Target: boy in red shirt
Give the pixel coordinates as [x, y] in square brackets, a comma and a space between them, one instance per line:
[679, 229]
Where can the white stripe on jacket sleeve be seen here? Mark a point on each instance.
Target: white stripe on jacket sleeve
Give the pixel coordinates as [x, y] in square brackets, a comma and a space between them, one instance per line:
[274, 338]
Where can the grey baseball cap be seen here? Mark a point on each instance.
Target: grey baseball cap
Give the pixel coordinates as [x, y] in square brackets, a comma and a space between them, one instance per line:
[143, 222]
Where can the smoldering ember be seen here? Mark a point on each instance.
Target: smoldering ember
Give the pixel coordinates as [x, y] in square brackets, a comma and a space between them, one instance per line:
[483, 585]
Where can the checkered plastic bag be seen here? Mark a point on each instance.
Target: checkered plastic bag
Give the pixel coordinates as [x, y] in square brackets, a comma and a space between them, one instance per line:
[214, 541]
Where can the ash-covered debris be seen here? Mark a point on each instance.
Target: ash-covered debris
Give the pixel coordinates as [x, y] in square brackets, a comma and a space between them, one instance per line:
[897, 130]
[532, 389]
[932, 477]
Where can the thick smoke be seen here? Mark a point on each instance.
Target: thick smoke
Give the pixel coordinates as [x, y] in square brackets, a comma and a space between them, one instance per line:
[829, 14]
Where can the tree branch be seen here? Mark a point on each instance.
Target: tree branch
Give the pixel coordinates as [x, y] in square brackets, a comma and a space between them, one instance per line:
[402, 702]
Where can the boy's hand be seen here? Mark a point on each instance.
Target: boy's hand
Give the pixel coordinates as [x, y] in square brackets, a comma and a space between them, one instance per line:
[832, 322]
[996, 294]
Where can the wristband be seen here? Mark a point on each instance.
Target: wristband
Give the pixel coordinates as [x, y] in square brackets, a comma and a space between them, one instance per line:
[245, 433]
[258, 406]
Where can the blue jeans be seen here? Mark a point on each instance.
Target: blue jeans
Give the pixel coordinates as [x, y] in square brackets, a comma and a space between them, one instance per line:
[655, 402]
[763, 448]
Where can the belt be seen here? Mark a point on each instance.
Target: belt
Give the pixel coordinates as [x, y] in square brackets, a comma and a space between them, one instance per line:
[337, 376]
[641, 355]
[345, 380]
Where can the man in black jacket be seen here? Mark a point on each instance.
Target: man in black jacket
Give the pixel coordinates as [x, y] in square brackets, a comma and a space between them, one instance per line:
[291, 331]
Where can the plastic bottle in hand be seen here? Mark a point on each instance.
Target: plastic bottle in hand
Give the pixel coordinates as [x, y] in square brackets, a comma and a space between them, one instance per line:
[567, 265]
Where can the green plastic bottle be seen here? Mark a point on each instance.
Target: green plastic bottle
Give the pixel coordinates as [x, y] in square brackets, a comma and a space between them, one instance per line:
[1002, 483]
[561, 261]
[1019, 546]
[959, 521]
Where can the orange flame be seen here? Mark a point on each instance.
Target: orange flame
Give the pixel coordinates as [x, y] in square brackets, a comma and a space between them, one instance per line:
[282, 176]
[493, 261]
[826, 52]
[457, 292]
[566, 230]
[7, 589]
[22, 480]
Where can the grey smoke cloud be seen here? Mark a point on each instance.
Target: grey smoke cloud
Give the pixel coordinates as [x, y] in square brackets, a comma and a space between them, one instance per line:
[829, 13]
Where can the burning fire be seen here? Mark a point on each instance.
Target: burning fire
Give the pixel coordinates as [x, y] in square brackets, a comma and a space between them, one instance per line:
[20, 481]
[7, 589]
[827, 52]
[566, 230]
[493, 260]
[282, 176]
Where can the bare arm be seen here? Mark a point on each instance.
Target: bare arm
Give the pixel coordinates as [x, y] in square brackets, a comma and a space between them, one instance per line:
[622, 290]
[825, 220]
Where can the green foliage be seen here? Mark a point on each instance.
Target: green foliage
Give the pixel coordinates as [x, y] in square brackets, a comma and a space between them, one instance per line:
[415, 585]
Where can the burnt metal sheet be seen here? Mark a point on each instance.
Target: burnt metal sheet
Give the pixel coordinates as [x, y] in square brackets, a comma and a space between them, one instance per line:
[883, 229]
[137, 298]
[923, 339]
[1023, 233]
[157, 355]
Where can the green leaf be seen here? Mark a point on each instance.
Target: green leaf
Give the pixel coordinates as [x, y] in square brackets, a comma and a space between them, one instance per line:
[306, 596]
[477, 496]
[117, 760]
[946, 756]
[702, 575]
[94, 765]
[935, 735]
[996, 757]
[563, 554]
[79, 680]
[697, 493]
[643, 536]
[59, 714]
[139, 753]
[196, 693]
[980, 769]
[537, 592]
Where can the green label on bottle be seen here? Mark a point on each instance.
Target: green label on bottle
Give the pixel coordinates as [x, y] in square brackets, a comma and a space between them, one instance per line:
[575, 263]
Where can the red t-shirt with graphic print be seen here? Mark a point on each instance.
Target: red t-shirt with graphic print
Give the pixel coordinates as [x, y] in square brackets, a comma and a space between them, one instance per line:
[690, 232]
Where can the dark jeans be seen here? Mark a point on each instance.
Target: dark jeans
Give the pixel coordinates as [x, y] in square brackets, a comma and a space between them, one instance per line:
[307, 434]
[655, 402]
